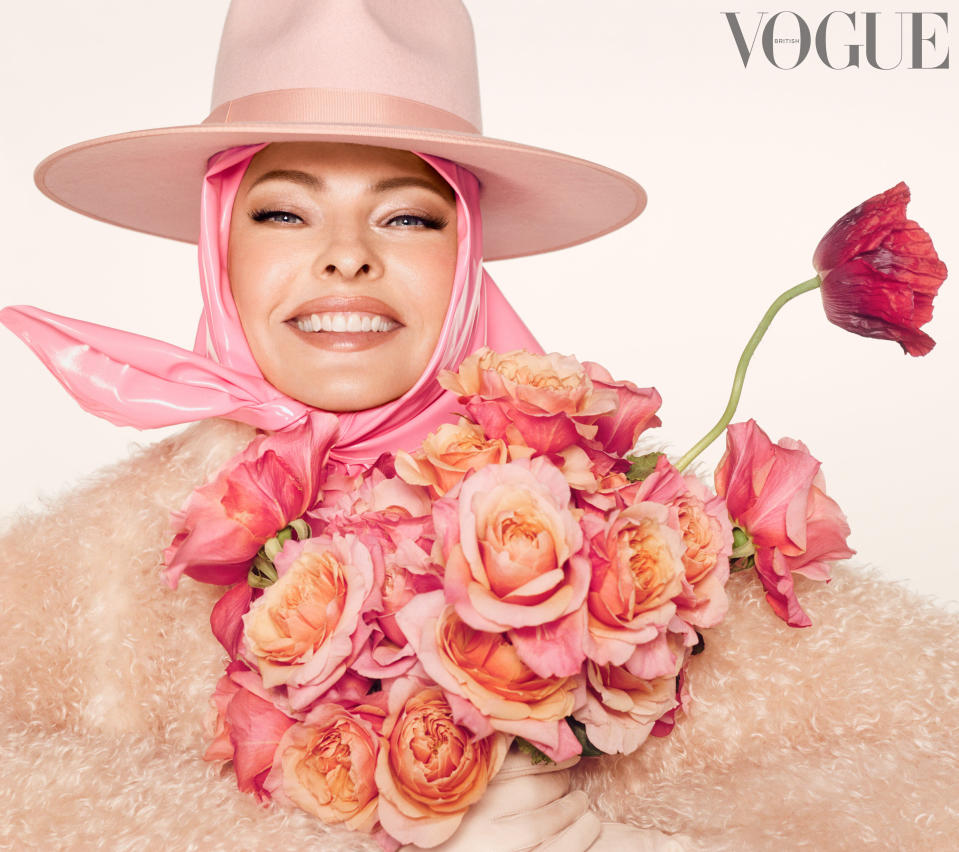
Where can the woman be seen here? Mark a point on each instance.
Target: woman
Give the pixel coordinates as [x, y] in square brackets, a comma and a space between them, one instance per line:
[336, 275]
[133, 705]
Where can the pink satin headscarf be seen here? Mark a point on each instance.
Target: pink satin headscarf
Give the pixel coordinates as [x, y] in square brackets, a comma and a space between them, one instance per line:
[132, 380]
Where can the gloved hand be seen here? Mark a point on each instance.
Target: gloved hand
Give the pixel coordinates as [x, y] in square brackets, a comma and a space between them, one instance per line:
[526, 807]
[617, 837]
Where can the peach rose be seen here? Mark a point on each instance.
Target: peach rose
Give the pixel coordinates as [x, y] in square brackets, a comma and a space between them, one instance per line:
[637, 558]
[707, 538]
[511, 547]
[485, 669]
[326, 765]
[552, 402]
[545, 401]
[306, 628]
[448, 454]
[547, 384]
[429, 770]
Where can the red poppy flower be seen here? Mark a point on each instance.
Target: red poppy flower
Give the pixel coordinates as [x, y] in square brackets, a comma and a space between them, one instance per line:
[880, 272]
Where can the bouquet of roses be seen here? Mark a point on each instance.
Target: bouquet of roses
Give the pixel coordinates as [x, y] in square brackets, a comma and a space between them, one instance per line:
[391, 628]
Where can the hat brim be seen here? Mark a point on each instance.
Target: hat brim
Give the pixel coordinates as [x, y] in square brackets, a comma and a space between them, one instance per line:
[533, 200]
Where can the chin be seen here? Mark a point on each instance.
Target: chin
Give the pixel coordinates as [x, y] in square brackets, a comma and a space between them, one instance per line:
[325, 382]
[341, 400]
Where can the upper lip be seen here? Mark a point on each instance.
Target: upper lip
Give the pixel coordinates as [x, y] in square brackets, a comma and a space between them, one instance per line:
[344, 304]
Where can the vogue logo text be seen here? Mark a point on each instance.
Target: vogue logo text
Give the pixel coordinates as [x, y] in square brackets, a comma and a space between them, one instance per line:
[845, 39]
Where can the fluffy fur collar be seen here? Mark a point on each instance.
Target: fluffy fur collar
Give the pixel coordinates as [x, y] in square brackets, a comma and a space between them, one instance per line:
[841, 736]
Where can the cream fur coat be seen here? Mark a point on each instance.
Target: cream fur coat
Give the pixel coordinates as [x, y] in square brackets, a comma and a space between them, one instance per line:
[841, 736]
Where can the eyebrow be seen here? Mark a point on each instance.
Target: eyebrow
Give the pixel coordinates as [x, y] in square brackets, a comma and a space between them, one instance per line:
[313, 182]
[410, 180]
[293, 175]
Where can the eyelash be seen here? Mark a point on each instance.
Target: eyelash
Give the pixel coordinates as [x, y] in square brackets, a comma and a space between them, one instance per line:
[426, 222]
[264, 214]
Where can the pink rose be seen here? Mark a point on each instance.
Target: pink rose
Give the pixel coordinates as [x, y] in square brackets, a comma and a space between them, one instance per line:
[274, 481]
[326, 764]
[248, 730]
[306, 628]
[512, 551]
[637, 560]
[226, 619]
[374, 495]
[621, 709]
[407, 571]
[429, 770]
[635, 411]
[220, 747]
[382, 491]
[392, 519]
[777, 494]
[486, 670]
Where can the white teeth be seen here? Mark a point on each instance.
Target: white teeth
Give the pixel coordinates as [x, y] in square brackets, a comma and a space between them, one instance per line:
[344, 322]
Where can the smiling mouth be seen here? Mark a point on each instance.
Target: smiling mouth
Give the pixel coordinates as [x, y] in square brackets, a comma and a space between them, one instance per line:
[344, 322]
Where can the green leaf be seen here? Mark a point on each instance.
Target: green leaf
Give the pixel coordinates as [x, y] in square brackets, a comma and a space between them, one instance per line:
[301, 528]
[535, 755]
[641, 466]
[579, 731]
[262, 573]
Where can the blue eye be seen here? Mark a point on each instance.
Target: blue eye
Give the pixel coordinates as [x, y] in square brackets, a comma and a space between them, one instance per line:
[283, 217]
[407, 220]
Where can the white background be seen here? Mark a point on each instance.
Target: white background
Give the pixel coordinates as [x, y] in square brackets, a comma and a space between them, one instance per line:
[745, 169]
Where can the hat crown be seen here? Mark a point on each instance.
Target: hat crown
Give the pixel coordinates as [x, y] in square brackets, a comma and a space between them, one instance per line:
[423, 52]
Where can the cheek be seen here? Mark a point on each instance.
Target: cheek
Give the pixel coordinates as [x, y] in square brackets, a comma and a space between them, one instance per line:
[257, 278]
[244, 273]
[434, 288]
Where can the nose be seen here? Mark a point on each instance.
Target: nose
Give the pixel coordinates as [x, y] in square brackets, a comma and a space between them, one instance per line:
[347, 254]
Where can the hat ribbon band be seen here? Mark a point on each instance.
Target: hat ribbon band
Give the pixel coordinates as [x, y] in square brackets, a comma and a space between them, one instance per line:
[336, 106]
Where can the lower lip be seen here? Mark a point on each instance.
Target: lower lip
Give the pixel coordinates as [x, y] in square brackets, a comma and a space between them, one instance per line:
[345, 341]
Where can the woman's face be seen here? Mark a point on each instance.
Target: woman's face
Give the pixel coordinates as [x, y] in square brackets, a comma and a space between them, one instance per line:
[341, 263]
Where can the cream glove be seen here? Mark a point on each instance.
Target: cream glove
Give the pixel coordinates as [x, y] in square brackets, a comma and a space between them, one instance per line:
[617, 837]
[526, 807]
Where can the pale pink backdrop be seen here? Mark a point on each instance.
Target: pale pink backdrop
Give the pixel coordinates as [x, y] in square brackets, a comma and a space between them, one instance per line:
[745, 169]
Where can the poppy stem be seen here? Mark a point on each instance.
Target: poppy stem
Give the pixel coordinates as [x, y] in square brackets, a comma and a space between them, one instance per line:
[744, 359]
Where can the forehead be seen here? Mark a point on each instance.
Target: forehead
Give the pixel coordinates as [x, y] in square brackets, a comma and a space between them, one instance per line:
[329, 158]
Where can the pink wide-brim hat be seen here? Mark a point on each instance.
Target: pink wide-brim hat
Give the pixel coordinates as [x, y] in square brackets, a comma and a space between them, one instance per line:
[373, 72]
